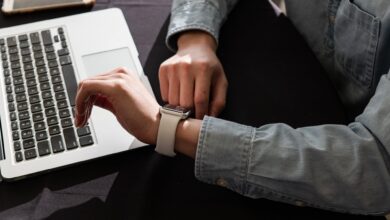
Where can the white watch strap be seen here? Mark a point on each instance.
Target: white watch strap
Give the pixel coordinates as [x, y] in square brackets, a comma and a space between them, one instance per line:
[166, 134]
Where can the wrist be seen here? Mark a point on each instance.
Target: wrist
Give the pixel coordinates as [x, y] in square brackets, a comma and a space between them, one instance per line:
[196, 38]
[187, 134]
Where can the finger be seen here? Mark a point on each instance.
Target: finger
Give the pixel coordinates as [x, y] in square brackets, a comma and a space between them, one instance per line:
[187, 84]
[174, 90]
[218, 97]
[88, 88]
[163, 77]
[201, 97]
[103, 102]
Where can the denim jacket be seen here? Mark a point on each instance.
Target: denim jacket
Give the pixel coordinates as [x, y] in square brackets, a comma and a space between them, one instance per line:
[343, 168]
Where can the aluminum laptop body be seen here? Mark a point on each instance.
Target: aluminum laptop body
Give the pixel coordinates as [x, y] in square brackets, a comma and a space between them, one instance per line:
[96, 42]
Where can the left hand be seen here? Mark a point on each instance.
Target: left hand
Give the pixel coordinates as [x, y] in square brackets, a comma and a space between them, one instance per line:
[122, 93]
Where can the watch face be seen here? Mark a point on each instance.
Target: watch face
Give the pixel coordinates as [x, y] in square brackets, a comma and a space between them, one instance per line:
[176, 108]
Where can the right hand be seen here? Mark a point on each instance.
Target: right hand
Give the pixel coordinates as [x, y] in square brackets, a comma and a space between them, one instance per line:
[194, 76]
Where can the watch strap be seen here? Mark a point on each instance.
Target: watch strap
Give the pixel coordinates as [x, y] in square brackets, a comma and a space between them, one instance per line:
[166, 134]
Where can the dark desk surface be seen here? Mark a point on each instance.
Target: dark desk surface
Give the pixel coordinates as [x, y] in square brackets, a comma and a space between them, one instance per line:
[284, 78]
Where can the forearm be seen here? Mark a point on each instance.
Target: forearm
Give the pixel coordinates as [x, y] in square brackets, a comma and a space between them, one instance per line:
[204, 15]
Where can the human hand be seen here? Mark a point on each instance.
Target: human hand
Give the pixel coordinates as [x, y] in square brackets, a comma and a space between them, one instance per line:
[122, 93]
[194, 77]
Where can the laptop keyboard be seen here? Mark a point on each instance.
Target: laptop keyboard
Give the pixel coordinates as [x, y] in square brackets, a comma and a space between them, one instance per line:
[41, 87]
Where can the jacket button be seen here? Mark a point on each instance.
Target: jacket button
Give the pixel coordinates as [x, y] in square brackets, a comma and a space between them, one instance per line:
[222, 182]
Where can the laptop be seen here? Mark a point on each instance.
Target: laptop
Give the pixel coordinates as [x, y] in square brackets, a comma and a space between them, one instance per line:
[40, 67]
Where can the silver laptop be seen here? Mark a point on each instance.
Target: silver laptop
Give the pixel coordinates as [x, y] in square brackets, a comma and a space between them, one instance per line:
[41, 65]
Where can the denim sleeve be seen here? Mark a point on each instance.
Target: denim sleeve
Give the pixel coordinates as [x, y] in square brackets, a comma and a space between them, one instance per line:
[205, 15]
[334, 167]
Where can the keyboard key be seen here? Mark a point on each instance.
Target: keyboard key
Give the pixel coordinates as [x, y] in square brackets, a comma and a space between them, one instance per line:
[52, 121]
[4, 56]
[6, 72]
[11, 107]
[22, 106]
[30, 74]
[2, 49]
[41, 70]
[50, 112]
[23, 37]
[34, 37]
[25, 51]
[46, 37]
[60, 30]
[28, 66]
[30, 154]
[10, 98]
[27, 134]
[38, 117]
[39, 126]
[26, 59]
[46, 94]
[70, 82]
[53, 63]
[41, 135]
[48, 103]
[43, 148]
[39, 62]
[2, 41]
[38, 54]
[56, 39]
[11, 41]
[5, 64]
[12, 116]
[65, 60]
[37, 47]
[25, 124]
[60, 95]
[8, 89]
[57, 144]
[63, 44]
[24, 44]
[32, 90]
[43, 78]
[62, 37]
[45, 86]
[21, 97]
[64, 113]
[54, 71]
[56, 79]
[51, 56]
[16, 72]
[7, 80]
[18, 156]
[36, 108]
[83, 131]
[63, 52]
[58, 87]
[13, 57]
[15, 65]
[27, 144]
[70, 138]
[15, 135]
[86, 141]
[66, 122]
[14, 126]
[31, 82]
[17, 146]
[19, 89]
[18, 80]
[53, 130]
[62, 104]
[12, 50]
[49, 49]
[24, 115]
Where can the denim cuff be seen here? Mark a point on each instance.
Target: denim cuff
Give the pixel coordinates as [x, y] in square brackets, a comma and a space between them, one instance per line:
[223, 153]
[195, 15]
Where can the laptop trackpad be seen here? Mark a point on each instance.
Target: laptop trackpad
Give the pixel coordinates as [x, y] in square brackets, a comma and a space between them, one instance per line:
[103, 62]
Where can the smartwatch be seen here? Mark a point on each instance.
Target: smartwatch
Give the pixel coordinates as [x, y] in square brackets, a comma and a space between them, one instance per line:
[170, 117]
